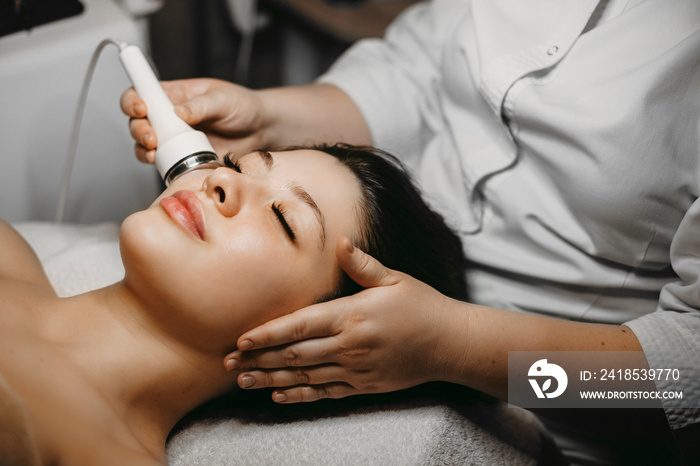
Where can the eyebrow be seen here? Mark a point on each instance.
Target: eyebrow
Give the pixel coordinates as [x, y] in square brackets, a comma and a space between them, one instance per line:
[266, 158]
[301, 194]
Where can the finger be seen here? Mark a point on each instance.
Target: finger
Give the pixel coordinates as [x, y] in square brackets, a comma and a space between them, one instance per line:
[304, 353]
[132, 105]
[362, 268]
[143, 133]
[144, 155]
[214, 107]
[192, 115]
[307, 393]
[181, 90]
[316, 375]
[199, 108]
[318, 320]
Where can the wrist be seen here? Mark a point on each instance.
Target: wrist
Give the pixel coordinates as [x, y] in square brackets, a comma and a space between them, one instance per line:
[451, 351]
[287, 117]
[310, 114]
[471, 351]
[268, 124]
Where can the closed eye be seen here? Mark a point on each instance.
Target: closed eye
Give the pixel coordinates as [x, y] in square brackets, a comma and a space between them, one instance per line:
[277, 208]
[282, 218]
[230, 163]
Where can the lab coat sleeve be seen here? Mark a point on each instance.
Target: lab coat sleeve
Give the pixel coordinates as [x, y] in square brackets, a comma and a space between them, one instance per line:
[670, 336]
[395, 81]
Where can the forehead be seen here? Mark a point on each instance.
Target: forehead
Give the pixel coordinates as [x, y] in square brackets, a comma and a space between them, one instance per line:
[333, 187]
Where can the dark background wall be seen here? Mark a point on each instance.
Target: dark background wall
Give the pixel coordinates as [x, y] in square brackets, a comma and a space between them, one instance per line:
[298, 39]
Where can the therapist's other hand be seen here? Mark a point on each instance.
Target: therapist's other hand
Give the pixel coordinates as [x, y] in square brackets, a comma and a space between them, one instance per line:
[381, 339]
[230, 115]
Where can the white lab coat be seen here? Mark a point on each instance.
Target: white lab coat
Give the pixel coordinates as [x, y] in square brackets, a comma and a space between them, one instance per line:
[562, 140]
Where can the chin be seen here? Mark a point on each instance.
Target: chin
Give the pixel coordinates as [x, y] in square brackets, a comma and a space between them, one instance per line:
[158, 253]
[145, 240]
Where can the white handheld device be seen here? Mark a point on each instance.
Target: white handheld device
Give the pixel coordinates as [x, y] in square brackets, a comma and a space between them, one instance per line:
[180, 147]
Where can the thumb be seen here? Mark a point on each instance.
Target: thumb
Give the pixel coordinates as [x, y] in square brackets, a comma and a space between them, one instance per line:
[362, 268]
[193, 111]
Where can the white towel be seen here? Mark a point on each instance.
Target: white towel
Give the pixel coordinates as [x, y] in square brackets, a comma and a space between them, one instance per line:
[76, 258]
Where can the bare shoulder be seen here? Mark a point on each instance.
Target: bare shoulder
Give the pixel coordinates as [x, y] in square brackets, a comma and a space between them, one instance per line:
[45, 427]
[18, 261]
[17, 442]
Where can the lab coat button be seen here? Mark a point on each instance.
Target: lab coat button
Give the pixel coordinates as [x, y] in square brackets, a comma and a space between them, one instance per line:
[552, 50]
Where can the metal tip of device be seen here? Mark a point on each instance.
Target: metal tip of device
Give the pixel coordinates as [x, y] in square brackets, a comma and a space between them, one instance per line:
[191, 162]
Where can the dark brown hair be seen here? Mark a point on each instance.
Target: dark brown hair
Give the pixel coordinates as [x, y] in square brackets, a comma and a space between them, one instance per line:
[397, 227]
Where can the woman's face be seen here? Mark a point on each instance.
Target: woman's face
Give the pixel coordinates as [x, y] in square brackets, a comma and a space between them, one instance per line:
[222, 251]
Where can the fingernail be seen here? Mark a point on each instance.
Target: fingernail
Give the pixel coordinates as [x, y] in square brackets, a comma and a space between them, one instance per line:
[247, 381]
[181, 110]
[146, 139]
[280, 397]
[233, 364]
[245, 345]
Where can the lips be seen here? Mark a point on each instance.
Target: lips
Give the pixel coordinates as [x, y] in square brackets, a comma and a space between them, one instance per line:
[184, 208]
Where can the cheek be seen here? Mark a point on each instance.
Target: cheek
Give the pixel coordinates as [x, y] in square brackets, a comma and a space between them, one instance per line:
[243, 277]
[256, 269]
[267, 279]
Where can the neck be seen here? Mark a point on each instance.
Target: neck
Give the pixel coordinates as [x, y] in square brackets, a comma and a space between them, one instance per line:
[149, 377]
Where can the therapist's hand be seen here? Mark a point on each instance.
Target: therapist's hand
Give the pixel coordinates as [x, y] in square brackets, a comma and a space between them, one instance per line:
[381, 339]
[230, 115]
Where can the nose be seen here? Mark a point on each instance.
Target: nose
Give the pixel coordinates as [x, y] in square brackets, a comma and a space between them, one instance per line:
[226, 188]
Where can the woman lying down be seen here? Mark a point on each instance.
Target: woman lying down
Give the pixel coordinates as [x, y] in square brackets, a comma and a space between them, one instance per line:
[102, 377]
